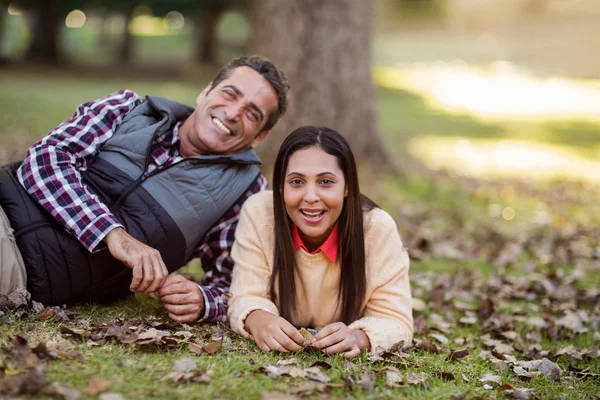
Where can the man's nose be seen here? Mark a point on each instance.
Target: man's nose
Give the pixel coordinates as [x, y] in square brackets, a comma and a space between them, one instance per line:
[234, 112]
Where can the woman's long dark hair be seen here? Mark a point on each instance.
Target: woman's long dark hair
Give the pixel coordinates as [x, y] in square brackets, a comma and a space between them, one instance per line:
[350, 225]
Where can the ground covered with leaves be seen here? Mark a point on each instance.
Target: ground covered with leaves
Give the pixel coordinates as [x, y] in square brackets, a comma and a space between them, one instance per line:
[504, 308]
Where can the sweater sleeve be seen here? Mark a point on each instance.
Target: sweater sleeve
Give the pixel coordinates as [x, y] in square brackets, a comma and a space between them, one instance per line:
[387, 318]
[251, 273]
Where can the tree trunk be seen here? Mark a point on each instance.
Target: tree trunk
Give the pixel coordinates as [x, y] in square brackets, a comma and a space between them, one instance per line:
[127, 39]
[45, 28]
[324, 49]
[206, 33]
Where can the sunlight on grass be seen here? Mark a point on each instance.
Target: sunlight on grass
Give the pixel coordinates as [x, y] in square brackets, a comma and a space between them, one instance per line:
[501, 91]
[486, 158]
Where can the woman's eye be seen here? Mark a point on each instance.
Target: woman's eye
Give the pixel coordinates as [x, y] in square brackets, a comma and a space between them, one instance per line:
[295, 182]
[228, 94]
[327, 182]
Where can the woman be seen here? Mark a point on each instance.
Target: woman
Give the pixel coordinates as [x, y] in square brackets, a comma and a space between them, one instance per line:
[314, 252]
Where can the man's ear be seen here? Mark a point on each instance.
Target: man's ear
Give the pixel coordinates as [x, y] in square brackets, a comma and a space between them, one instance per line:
[260, 137]
[204, 92]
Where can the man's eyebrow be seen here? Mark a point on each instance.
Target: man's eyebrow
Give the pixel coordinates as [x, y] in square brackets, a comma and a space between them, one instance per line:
[252, 104]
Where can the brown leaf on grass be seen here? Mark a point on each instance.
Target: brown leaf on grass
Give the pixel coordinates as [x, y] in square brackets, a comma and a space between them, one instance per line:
[516, 393]
[439, 337]
[276, 396]
[445, 375]
[499, 365]
[321, 364]
[111, 396]
[349, 365]
[365, 382]
[491, 378]
[291, 361]
[27, 383]
[420, 325]
[414, 379]
[45, 314]
[458, 354]
[308, 388]
[211, 348]
[315, 374]
[573, 321]
[96, 386]
[545, 366]
[486, 308]
[426, 345]
[184, 365]
[65, 392]
[42, 352]
[393, 376]
[17, 299]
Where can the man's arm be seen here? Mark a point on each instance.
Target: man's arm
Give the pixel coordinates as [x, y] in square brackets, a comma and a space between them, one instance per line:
[51, 171]
[51, 174]
[208, 300]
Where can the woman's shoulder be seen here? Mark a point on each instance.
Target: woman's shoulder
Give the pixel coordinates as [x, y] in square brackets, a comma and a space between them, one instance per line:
[378, 222]
[259, 207]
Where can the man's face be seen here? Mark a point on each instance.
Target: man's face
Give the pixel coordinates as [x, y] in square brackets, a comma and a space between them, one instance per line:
[229, 117]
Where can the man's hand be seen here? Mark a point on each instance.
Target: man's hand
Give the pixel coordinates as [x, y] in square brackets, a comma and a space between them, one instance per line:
[149, 270]
[338, 338]
[182, 299]
[272, 332]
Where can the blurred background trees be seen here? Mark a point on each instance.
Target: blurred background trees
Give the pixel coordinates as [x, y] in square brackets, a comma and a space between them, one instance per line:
[408, 76]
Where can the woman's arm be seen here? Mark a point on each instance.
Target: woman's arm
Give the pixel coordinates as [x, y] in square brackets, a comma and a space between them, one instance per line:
[387, 318]
[251, 312]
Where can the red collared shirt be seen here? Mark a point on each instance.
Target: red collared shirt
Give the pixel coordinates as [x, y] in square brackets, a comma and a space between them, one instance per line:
[329, 247]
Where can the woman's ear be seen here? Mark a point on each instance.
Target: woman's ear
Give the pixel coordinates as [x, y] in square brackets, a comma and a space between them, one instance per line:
[346, 191]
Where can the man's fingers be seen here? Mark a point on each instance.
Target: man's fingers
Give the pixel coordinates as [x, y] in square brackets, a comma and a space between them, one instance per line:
[171, 287]
[148, 275]
[175, 298]
[181, 309]
[158, 274]
[182, 318]
[138, 274]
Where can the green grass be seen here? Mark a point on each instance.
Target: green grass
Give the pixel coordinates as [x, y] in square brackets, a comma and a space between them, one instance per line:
[452, 207]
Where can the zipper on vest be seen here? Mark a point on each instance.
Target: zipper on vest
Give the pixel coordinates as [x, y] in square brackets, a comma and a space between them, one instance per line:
[133, 185]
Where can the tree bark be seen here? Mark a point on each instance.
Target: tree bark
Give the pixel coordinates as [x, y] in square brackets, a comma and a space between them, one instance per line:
[324, 48]
[206, 32]
[45, 28]
[127, 39]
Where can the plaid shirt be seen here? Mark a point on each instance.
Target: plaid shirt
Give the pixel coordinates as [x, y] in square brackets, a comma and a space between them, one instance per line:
[51, 173]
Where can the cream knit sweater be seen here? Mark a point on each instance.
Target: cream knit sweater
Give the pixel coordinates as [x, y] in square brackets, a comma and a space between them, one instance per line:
[387, 311]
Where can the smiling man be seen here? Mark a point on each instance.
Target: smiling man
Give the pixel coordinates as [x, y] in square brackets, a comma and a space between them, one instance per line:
[130, 189]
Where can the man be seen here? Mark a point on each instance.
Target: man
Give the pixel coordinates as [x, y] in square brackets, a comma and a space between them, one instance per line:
[128, 190]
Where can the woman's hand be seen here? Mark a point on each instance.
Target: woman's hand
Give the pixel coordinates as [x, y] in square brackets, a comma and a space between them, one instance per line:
[272, 332]
[338, 338]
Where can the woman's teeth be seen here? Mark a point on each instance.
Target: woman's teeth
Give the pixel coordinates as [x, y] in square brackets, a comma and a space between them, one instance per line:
[312, 214]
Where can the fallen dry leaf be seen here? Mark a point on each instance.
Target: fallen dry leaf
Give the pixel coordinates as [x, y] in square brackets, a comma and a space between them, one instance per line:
[96, 386]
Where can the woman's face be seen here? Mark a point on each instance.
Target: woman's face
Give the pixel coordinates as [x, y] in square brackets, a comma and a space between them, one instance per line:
[314, 192]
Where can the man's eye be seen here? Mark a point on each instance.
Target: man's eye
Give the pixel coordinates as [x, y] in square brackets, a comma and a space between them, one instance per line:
[252, 115]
